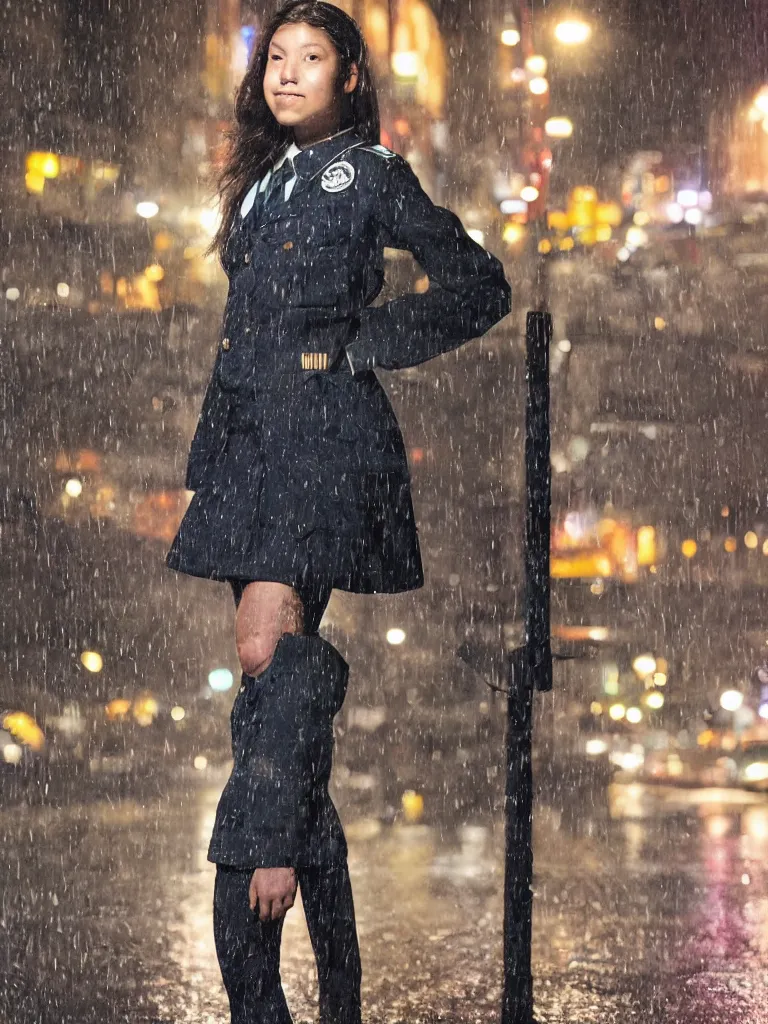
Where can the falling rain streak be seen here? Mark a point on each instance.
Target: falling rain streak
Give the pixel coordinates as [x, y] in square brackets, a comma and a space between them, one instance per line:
[614, 157]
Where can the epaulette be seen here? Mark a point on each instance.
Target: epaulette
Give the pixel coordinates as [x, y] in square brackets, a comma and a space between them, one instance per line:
[381, 150]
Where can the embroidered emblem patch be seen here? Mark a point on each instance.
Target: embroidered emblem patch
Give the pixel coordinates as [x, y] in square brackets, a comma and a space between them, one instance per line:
[338, 176]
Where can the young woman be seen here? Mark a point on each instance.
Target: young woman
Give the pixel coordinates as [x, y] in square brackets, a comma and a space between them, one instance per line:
[299, 469]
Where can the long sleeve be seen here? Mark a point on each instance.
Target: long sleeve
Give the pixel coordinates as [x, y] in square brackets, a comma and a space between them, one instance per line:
[467, 293]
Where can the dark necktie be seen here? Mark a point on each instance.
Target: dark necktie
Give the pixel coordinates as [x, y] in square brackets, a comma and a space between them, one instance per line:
[276, 187]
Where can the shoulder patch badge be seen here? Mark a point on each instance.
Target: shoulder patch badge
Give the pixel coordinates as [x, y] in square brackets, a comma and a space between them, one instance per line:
[338, 176]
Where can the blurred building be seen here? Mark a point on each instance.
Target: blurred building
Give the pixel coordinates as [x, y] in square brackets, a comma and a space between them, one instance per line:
[738, 142]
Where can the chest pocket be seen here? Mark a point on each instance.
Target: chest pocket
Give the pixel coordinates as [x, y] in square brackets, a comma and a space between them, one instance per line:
[322, 250]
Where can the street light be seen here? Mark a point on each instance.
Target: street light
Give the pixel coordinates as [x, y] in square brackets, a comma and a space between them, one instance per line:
[538, 86]
[731, 700]
[536, 64]
[559, 127]
[406, 64]
[510, 29]
[572, 32]
[760, 102]
[510, 36]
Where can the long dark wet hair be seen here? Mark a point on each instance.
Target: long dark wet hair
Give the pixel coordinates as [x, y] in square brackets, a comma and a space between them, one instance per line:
[256, 139]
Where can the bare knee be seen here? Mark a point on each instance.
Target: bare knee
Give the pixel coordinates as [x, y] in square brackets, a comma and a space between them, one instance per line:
[267, 610]
[256, 652]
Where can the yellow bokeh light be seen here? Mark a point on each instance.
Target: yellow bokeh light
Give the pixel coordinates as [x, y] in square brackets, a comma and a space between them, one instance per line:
[572, 32]
[596, 707]
[730, 544]
[761, 100]
[646, 545]
[536, 65]
[413, 805]
[584, 194]
[154, 272]
[118, 708]
[731, 700]
[163, 241]
[177, 713]
[644, 665]
[406, 63]
[565, 246]
[689, 548]
[46, 164]
[513, 233]
[510, 37]
[750, 540]
[617, 712]
[35, 182]
[545, 246]
[146, 706]
[92, 660]
[655, 701]
[659, 323]
[558, 219]
[559, 127]
[634, 715]
[23, 727]
[538, 86]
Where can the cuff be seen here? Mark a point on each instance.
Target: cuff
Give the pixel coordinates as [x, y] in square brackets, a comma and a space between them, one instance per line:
[260, 848]
[358, 362]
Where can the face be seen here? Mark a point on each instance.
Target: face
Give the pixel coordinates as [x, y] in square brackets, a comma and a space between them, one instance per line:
[300, 81]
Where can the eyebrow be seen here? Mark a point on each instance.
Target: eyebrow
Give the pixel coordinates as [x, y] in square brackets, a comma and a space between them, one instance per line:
[304, 46]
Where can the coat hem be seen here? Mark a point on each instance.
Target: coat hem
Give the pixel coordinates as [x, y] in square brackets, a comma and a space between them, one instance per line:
[224, 576]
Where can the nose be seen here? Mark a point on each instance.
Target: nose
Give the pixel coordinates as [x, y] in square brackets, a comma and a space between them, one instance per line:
[287, 73]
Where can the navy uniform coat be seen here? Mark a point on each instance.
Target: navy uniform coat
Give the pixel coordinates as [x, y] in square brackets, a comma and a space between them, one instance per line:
[297, 461]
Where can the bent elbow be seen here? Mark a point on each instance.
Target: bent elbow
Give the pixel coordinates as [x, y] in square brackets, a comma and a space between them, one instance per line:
[495, 302]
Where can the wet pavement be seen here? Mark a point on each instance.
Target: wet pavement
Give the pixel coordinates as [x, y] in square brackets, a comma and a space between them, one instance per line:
[654, 912]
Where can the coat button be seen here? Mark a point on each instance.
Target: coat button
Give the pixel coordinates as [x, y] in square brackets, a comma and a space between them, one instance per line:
[287, 245]
[225, 343]
[247, 257]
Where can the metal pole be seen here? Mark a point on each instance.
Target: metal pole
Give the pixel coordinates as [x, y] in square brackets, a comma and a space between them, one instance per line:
[529, 669]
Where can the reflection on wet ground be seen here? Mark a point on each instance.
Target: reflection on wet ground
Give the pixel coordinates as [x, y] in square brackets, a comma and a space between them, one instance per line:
[656, 912]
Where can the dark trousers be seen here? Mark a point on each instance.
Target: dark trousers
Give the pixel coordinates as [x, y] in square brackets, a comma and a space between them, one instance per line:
[248, 950]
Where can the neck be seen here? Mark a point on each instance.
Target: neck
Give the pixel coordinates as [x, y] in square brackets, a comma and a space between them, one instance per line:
[303, 142]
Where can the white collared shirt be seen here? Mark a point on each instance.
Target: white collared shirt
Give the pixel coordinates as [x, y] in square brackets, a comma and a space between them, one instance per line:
[261, 185]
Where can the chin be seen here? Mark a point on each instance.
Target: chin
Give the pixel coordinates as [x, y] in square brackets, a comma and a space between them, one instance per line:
[290, 119]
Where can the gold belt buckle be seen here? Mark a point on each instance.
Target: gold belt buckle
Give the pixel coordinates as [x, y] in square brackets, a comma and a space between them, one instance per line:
[314, 360]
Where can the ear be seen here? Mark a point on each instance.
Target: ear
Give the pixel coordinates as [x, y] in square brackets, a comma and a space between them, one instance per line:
[351, 83]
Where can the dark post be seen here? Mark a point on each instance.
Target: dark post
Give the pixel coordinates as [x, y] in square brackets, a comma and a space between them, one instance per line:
[529, 669]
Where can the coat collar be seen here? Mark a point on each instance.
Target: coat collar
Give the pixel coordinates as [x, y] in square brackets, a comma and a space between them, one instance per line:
[308, 164]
